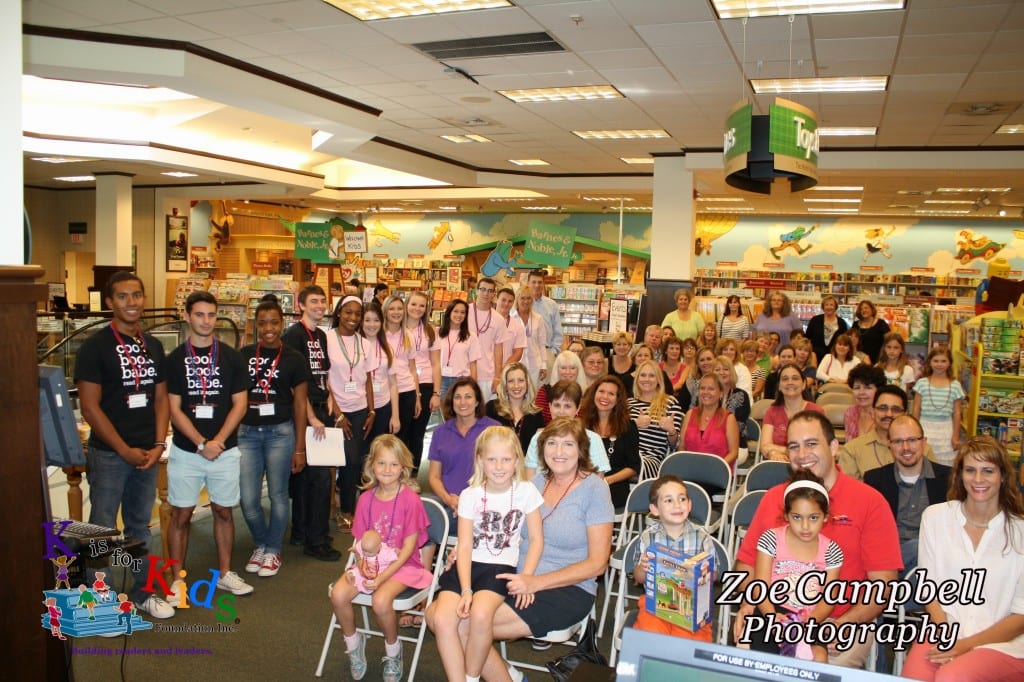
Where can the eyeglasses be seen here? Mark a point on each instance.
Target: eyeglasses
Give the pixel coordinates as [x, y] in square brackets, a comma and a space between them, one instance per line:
[485, 290]
[892, 409]
[900, 442]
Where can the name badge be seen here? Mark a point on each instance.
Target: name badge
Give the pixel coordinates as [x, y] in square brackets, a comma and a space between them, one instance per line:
[449, 371]
[137, 400]
[267, 410]
[350, 387]
[204, 411]
[378, 388]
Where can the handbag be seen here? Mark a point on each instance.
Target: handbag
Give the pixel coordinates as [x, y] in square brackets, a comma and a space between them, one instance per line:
[586, 650]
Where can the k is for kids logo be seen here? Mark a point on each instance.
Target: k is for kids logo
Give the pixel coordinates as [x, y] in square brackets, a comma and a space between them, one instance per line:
[97, 609]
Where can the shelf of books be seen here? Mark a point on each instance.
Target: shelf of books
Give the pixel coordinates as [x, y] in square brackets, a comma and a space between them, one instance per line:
[579, 307]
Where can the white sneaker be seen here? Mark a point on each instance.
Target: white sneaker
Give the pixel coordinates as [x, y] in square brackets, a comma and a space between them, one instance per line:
[255, 561]
[177, 587]
[156, 607]
[271, 565]
[233, 583]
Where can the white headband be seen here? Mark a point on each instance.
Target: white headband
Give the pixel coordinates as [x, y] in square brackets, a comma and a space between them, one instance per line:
[796, 485]
[350, 298]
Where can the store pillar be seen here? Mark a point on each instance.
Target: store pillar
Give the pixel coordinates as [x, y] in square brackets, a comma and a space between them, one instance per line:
[114, 219]
[673, 219]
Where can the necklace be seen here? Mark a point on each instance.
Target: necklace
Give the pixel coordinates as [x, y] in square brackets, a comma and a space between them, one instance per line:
[391, 521]
[503, 539]
[564, 493]
[972, 522]
[934, 389]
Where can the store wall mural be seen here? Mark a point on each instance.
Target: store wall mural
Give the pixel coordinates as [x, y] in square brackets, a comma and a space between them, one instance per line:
[856, 244]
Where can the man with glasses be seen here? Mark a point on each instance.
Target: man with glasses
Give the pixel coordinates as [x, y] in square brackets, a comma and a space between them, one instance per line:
[909, 484]
[489, 328]
[871, 450]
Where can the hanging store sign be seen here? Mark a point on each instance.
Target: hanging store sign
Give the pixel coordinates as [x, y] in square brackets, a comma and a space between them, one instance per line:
[759, 150]
[549, 244]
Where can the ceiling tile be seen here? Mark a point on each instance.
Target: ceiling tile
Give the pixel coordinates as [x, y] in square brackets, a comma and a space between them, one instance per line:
[857, 24]
[977, 17]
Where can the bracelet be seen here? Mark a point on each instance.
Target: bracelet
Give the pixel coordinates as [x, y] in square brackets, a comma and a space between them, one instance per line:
[369, 412]
[300, 452]
[161, 444]
[467, 590]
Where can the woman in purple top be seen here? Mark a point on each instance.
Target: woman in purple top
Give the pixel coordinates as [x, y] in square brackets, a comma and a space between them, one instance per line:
[778, 317]
[453, 442]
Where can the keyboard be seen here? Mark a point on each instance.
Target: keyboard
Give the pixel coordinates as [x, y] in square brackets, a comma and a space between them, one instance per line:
[87, 531]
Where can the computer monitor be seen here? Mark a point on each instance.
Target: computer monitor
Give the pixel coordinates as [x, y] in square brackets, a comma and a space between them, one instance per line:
[651, 657]
[61, 444]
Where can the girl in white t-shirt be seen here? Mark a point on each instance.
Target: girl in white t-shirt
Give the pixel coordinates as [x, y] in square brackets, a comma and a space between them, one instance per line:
[894, 362]
[493, 511]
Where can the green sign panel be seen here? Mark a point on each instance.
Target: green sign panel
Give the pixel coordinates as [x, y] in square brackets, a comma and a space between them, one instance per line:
[793, 138]
[549, 244]
[322, 242]
[736, 141]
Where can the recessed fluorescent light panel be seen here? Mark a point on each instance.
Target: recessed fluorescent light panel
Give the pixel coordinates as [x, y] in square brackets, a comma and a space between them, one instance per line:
[725, 209]
[621, 135]
[369, 10]
[57, 159]
[831, 201]
[848, 131]
[180, 174]
[529, 162]
[838, 188]
[737, 9]
[639, 208]
[542, 208]
[833, 210]
[948, 201]
[319, 137]
[569, 94]
[1011, 129]
[949, 212]
[607, 199]
[462, 139]
[781, 86]
[721, 199]
[637, 160]
[77, 178]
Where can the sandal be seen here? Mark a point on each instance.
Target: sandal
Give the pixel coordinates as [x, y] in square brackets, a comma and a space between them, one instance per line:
[410, 621]
[344, 522]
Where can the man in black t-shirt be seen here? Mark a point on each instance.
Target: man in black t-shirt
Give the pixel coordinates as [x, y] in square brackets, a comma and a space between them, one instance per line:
[207, 386]
[119, 372]
[311, 487]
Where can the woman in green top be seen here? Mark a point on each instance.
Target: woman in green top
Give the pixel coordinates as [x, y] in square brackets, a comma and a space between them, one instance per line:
[686, 323]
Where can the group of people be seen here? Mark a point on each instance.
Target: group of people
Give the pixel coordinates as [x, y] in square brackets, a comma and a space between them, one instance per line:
[537, 450]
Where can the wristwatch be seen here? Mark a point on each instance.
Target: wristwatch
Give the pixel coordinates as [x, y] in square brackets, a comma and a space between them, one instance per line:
[201, 447]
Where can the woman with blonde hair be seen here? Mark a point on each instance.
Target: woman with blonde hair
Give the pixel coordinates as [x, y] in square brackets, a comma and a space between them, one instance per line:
[567, 367]
[658, 416]
[620, 363]
[709, 427]
[514, 404]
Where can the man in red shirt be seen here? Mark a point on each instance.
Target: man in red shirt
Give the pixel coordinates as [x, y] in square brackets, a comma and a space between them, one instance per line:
[860, 522]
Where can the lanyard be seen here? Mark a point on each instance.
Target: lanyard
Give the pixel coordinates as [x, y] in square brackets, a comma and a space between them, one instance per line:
[448, 339]
[136, 368]
[391, 521]
[476, 322]
[344, 351]
[373, 373]
[419, 335]
[195, 363]
[266, 381]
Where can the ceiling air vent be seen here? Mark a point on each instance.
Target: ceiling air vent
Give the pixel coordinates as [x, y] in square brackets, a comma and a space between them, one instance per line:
[490, 46]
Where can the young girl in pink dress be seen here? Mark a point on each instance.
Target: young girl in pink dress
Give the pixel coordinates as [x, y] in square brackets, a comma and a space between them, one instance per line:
[390, 506]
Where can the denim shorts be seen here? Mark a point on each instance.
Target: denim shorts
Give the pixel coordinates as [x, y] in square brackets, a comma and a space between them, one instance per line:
[188, 472]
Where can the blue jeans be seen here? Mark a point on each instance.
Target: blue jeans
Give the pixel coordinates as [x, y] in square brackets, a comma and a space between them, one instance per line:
[266, 450]
[113, 484]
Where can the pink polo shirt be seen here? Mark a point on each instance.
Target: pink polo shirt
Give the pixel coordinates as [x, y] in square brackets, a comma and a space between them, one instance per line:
[402, 355]
[515, 337]
[379, 372]
[456, 355]
[488, 327]
[421, 354]
[350, 363]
